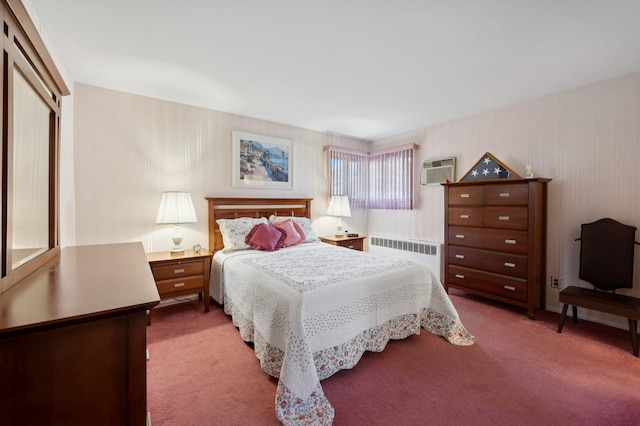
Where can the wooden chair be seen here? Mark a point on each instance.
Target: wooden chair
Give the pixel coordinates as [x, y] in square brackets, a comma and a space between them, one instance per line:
[606, 262]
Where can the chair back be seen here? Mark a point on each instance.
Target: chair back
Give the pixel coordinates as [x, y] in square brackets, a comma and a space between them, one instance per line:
[606, 254]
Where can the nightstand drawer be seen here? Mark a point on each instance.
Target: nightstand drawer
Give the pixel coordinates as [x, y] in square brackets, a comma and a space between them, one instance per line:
[182, 269]
[352, 244]
[168, 287]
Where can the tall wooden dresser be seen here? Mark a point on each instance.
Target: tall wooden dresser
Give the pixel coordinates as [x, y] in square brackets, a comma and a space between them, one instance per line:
[73, 339]
[495, 240]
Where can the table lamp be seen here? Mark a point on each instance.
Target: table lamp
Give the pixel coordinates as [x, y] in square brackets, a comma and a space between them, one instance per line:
[176, 208]
[339, 206]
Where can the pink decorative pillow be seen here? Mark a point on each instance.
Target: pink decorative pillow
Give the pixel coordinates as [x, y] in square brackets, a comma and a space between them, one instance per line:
[304, 224]
[265, 237]
[293, 232]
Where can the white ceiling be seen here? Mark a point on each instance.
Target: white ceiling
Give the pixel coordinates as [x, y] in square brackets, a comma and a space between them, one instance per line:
[365, 68]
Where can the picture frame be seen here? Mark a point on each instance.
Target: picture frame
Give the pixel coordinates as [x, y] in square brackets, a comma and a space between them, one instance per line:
[488, 167]
[261, 161]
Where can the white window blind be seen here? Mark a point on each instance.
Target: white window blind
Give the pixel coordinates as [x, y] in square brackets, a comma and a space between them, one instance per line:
[348, 171]
[391, 183]
[377, 180]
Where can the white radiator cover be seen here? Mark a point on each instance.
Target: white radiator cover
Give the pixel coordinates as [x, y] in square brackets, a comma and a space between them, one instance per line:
[428, 253]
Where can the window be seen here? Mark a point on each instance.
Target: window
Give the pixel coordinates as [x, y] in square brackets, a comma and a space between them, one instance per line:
[377, 180]
[348, 175]
[391, 178]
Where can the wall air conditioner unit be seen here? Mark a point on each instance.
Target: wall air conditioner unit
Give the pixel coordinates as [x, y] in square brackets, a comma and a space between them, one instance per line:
[438, 171]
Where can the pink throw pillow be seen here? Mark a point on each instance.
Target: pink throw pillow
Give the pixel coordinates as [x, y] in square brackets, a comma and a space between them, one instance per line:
[293, 232]
[265, 237]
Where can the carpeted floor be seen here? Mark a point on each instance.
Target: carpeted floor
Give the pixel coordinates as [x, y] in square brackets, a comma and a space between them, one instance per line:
[519, 372]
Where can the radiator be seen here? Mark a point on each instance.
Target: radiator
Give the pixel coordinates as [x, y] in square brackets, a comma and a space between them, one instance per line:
[425, 252]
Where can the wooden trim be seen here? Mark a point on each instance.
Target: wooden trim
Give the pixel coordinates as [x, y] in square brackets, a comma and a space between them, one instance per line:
[25, 51]
[233, 208]
[27, 269]
[33, 36]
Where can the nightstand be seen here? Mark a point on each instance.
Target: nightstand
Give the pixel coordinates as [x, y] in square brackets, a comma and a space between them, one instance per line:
[181, 274]
[355, 243]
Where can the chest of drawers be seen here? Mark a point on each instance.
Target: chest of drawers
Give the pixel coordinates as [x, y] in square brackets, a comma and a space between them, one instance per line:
[181, 274]
[495, 240]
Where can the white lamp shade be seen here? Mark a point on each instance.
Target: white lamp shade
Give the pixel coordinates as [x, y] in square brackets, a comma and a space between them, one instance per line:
[339, 206]
[176, 207]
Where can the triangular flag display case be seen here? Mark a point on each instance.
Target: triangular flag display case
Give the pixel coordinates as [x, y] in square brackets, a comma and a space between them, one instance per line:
[488, 167]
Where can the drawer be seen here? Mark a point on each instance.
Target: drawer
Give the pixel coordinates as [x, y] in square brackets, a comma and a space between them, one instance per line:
[466, 195]
[180, 285]
[177, 269]
[501, 263]
[506, 194]
[499, 285]
[355, 244]
[504, 240]
[506, 217]
[469, 216]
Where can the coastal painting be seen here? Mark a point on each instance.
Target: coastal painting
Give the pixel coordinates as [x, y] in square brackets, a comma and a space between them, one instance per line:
[261, 161]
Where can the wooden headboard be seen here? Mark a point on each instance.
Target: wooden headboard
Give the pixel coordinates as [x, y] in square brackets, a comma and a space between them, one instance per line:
[233, 208]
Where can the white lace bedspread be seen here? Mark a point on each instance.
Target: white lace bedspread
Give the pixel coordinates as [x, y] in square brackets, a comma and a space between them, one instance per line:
[314, 309]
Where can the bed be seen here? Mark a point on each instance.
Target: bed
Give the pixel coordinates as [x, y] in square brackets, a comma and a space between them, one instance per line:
[312, 309]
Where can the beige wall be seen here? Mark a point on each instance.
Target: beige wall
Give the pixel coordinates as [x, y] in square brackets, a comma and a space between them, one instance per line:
[587, 140]
[130, 148]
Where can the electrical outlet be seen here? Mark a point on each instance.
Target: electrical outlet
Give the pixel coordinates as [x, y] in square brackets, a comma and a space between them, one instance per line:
[556, 282]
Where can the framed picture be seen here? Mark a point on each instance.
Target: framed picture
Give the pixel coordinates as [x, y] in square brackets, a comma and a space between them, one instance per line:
[488, 167]
[261, 161]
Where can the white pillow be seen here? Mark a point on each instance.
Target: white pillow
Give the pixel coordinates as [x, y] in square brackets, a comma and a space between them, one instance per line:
[234, 231]
[303, 222]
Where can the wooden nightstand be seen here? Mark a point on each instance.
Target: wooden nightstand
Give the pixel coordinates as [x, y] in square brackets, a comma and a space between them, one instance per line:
[181, 274]
[355, 243]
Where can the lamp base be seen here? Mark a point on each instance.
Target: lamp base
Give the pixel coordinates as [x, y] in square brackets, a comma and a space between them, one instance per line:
[177, 241]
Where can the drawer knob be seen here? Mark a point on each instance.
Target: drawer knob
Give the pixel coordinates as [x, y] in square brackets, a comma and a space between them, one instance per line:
[460, 236]
[460, 276]
[459, 256]
[510, 241]
[509, 265]
[465, 195]
[503, 217]
[464, 216]
[510, 287]
[178, 271]
[178, 285]
[504, 195]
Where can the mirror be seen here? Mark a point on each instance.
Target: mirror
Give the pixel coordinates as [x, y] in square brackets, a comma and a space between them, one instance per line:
[30, 173]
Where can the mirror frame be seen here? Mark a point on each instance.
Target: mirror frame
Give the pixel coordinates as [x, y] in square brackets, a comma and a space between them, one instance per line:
[24, 49]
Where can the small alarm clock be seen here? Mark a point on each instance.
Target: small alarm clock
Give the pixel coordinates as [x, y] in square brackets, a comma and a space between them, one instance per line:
[197, 248]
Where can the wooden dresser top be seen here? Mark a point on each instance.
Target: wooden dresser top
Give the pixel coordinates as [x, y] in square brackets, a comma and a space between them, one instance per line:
[82, 283]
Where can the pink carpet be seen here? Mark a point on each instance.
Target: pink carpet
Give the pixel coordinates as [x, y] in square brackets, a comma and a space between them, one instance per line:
[519, 372]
